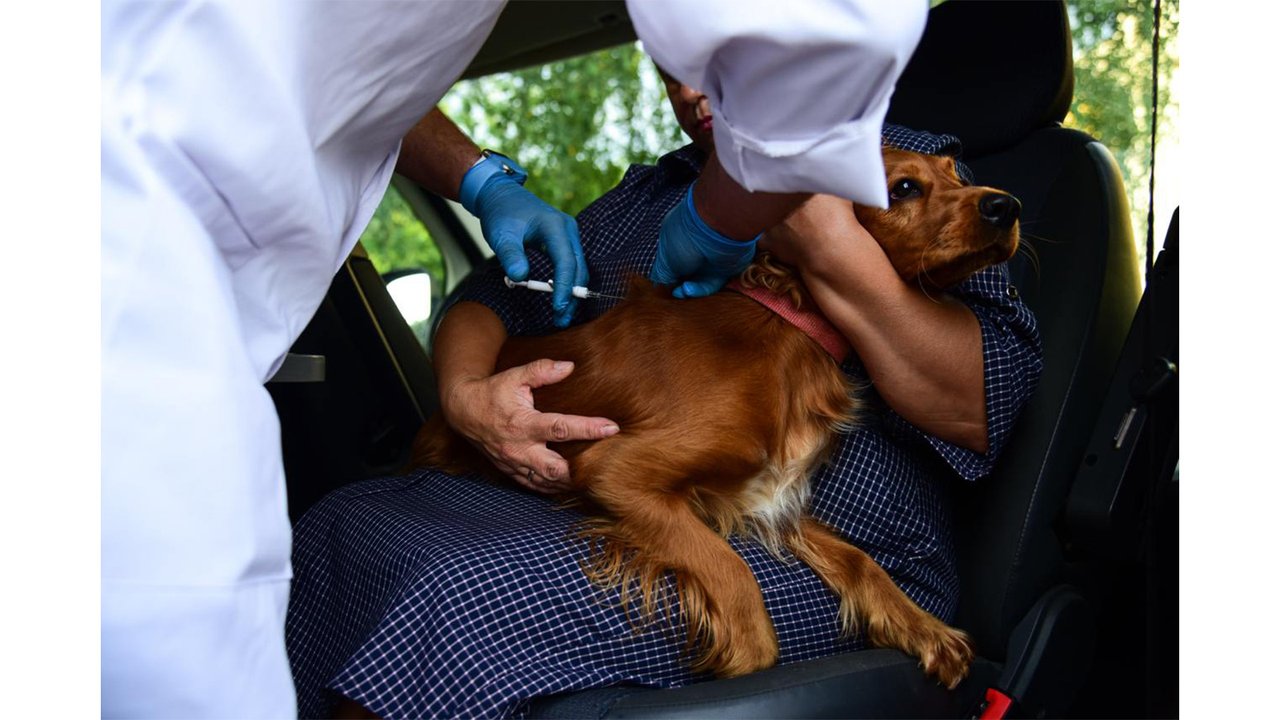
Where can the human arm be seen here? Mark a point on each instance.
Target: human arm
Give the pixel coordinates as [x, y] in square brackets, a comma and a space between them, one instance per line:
[438, 156]
[691, 248]
[923, 353]
[798, 95]
[798, 91]
[495, 412]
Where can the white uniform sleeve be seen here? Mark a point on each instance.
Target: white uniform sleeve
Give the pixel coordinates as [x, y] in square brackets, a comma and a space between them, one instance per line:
[244, 147]
[798, 90]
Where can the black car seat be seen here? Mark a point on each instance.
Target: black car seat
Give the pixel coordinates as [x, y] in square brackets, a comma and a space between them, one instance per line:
[365, 388]
[998, 75]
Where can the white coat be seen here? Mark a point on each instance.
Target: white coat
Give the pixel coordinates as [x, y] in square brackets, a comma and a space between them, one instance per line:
[245, 145]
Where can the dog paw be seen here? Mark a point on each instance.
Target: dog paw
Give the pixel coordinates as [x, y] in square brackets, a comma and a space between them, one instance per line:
[741, 655]
[733, 648]
[945, 653]
[729, 629]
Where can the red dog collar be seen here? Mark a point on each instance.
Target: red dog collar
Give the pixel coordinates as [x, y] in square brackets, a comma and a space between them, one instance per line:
[811, 322]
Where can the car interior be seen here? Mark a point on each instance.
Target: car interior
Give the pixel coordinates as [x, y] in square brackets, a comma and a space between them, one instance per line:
[1067, 552]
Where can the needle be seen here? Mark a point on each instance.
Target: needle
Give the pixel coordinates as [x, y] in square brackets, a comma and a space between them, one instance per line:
[578, 290]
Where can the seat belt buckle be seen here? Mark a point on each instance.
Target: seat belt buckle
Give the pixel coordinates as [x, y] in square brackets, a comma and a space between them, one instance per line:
[993, 706]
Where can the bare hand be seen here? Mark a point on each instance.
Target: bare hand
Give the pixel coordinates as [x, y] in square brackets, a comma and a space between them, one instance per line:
[497, 415]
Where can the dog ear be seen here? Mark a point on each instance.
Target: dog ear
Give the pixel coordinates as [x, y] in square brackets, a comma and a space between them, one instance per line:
[766, 272]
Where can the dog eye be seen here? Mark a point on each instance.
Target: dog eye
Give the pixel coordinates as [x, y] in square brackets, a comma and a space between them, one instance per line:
[903, 189]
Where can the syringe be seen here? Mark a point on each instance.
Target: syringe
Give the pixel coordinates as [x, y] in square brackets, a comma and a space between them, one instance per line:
[547, 286]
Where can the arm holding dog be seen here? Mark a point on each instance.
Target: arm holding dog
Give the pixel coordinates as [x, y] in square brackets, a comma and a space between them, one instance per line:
[496, 412]
[705, 246]
[923, 354]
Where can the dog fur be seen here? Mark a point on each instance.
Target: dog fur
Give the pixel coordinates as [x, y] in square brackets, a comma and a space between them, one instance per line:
[726, 410]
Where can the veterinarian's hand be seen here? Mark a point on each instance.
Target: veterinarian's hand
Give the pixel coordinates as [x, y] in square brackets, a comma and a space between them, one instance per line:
[513, 218]
[497, 415]
[689, 250]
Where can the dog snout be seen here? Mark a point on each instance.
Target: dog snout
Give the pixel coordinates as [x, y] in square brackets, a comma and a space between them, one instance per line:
[999, 209]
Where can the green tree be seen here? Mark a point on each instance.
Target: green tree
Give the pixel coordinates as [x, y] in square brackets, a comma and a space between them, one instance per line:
[1113, 74]
[396, 240]
[575, 124]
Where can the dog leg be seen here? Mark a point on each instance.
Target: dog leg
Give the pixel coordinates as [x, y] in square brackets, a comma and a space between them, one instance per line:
[437, 445]
[867, 593]
[719, 596]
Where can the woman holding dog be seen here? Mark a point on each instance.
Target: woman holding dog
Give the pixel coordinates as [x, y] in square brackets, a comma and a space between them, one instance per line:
[244, 148]
[489, 608]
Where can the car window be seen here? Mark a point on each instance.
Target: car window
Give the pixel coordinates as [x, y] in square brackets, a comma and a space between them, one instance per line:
[404, 253]
[575, 125]
[1112, 51]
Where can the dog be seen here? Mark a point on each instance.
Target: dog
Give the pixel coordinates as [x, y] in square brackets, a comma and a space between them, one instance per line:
[726, 409]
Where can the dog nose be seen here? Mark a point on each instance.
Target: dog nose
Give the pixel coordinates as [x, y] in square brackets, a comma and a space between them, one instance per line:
[999, 209]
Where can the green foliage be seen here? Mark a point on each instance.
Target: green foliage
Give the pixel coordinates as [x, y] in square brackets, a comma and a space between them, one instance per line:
[575, 124]
[396, 240]
[1113, 67]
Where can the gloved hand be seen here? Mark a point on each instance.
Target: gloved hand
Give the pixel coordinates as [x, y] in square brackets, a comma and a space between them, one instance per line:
[512, 217]
[689, 250]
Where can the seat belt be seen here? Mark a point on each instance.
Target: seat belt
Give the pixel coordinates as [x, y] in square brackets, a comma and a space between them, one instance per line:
[995, 705]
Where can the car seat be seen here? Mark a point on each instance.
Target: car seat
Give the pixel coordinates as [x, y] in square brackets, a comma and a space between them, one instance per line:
[998, 75]
[367, 388]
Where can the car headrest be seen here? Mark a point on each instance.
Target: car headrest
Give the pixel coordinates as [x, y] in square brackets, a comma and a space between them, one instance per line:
[989, 72]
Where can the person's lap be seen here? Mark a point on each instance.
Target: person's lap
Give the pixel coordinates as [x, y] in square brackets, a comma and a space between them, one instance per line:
[440, 595]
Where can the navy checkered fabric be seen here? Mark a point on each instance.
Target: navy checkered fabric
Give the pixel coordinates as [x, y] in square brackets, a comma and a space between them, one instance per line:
[928, 143]
[438, 596]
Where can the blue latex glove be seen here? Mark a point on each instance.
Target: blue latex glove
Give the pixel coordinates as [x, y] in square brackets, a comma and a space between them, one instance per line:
[512, 218]
[689, 250]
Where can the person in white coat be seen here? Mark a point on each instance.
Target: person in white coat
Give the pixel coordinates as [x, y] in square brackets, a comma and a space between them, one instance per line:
[245, 146]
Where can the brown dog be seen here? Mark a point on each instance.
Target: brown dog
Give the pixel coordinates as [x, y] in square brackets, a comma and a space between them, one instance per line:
[709, 448]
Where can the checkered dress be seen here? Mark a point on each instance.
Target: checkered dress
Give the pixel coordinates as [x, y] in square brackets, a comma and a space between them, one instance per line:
[437, 596]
